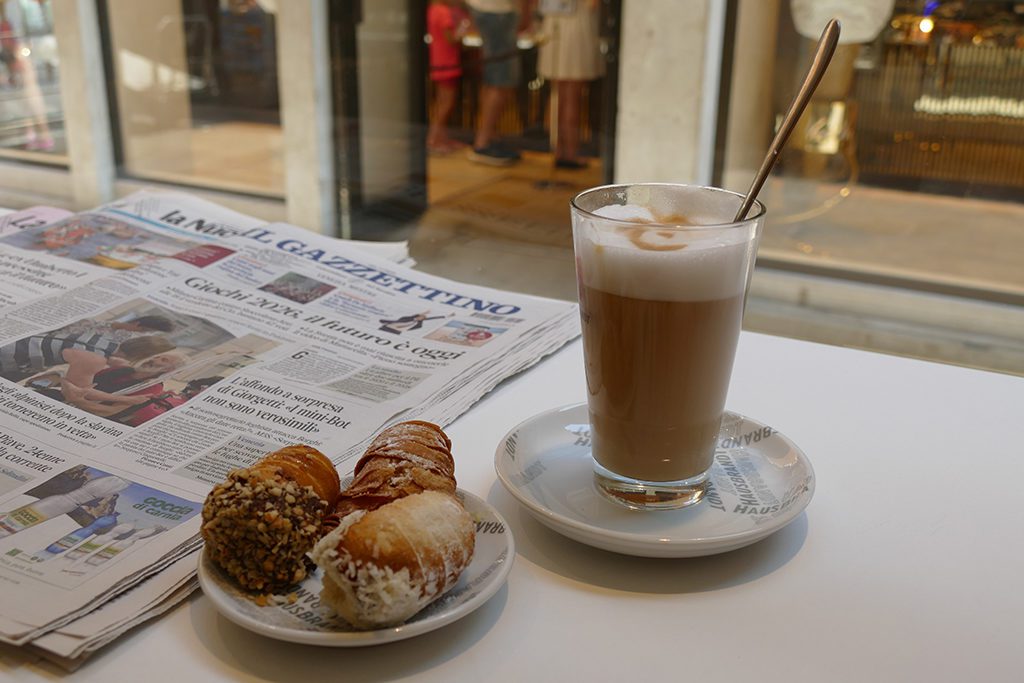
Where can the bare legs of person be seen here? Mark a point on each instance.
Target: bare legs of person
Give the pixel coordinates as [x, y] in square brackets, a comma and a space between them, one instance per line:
[567, 142]
[39, 136]
[493, 102]
[445, 97]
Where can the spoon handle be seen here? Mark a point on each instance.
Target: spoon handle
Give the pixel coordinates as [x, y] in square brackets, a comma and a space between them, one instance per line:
[826, 47]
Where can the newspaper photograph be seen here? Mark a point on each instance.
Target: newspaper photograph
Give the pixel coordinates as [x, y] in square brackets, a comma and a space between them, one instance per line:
[79, 521]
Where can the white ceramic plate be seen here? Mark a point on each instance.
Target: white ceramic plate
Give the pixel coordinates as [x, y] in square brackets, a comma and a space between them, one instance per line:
[760, 482]
[307, 621]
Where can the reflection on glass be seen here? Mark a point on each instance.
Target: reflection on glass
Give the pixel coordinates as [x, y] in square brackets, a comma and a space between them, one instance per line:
[910, 160]
[466, 126]
[517, 106]
[196, 88]
[31, 119]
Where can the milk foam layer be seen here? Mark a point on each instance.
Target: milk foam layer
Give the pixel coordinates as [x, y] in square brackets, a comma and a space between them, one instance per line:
[626, 212]
[695, 264]
[702, 206]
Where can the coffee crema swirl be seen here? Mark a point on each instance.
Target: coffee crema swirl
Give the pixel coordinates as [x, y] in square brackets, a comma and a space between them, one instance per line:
[639, 235]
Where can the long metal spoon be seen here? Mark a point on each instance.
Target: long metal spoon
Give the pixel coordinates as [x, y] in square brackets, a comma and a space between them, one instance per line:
[826, 48]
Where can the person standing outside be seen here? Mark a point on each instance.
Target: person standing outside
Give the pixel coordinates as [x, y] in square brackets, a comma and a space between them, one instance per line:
[570, 57]
[499, 22]
[446, 25]
[20, 21]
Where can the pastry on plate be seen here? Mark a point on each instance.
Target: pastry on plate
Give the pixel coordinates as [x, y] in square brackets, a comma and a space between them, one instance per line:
[260, 523]
[406, 458]
[400, 538]
[384, 565]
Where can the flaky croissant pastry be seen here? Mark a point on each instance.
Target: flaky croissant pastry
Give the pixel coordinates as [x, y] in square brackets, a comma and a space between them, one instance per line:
[260, 523]
[405, 458]
[306, 466]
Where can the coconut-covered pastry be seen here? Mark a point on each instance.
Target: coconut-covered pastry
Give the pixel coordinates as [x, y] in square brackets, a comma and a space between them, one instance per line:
[399, 538]
[382, 566]
[260, 523]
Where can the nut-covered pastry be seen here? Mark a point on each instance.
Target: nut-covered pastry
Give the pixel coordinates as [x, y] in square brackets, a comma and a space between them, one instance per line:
[384, 565]
[260, 523]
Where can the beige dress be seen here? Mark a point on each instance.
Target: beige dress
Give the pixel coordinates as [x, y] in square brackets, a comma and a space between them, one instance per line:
[571, 47]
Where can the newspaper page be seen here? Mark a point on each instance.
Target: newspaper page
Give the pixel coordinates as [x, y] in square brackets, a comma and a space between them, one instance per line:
[192, 344]
[69, 645]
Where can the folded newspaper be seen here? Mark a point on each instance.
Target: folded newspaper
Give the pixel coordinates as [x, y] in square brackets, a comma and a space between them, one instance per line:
[152, 345]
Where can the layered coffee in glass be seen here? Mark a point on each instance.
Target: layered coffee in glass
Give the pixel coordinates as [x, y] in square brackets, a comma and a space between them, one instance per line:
[663, 272]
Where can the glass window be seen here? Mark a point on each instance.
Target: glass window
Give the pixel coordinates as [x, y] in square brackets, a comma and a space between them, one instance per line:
[196, 91]
[468, 126]
[31, 119]
[909, 165]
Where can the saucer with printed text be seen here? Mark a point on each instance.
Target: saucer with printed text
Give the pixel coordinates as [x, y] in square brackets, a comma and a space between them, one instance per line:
[760, 481]
[298, 616]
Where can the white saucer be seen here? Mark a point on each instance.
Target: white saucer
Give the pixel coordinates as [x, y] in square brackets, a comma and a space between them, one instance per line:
[759, 483]
[307, 621]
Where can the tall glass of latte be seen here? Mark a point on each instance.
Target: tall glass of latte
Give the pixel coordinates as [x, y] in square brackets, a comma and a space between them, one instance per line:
[663, 272]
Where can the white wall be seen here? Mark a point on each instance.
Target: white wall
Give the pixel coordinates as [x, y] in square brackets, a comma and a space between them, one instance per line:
[385, 135]
[750, 100]
[663, 86]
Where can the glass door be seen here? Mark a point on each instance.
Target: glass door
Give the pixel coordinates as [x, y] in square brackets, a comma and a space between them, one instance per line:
[196, 90]
[380, 114]
[466, 127]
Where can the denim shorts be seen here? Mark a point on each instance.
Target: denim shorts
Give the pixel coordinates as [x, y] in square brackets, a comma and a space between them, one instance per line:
[501, 56]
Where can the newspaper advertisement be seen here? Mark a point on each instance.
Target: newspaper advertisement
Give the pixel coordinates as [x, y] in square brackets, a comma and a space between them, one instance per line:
[173, 341]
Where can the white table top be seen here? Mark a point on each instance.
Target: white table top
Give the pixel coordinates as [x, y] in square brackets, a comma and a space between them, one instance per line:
[905, 566]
